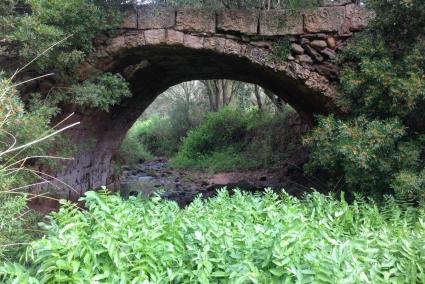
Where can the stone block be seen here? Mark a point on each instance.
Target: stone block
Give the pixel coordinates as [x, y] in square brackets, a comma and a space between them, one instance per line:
[175, 37]
[297, 49]
[241, 21]
[196, 20]
[116, 45]
[215, 43]
[358, 17]
[195, 42]
[324, 19]
[319, 44]
[156, 18]
[329, 53]
[130, 20]
[304, 58]
[232, 47]
[135, 40]
[281, 22]
[153, 37]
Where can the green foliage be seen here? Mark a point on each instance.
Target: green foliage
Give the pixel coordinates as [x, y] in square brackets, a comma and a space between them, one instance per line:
[51, 21]
[228, 239]
[132, 150]
[19, 126]
[381, 85]
[237, 139]
[102, 92]
[379, 147]
[368, 156]
[157, 135]
[391, 20]
[281, 48]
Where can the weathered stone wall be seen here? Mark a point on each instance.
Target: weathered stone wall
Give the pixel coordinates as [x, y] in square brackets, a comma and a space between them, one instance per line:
[155, 49]
[317, 34]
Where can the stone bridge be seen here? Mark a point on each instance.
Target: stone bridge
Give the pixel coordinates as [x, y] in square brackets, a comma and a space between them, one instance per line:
[288, 52]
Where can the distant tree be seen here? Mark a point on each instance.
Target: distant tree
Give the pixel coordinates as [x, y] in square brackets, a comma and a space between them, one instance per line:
[220, 93]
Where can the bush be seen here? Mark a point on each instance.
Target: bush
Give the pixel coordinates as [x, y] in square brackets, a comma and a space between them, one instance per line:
[379, 146]
[132, 150]
[19, 127]
[237, 140]
[228, 239]
[363, 155]
[47, 22]
[102, 93]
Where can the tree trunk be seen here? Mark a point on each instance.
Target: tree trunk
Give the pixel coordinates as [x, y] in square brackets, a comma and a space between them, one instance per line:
[277, 101]
[220, 93]
[258, 97]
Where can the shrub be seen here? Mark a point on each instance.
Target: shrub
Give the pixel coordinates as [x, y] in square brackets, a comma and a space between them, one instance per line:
[102, 92]
[132, 150]
[236, 140]
[228, 239]
[379, 146]
[48, 22]
[363, 155]
[18, 128]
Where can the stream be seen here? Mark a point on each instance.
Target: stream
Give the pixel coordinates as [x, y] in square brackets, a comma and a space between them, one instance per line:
[183, 186]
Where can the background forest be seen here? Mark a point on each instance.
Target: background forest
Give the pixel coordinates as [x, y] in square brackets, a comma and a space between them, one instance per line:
[375, 151]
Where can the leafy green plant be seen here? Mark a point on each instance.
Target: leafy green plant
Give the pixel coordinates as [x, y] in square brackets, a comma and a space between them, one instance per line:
[102, 92]
[241, 238]
[364, 155]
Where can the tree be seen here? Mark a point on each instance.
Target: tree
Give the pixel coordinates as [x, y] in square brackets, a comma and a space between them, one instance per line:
[219, 92]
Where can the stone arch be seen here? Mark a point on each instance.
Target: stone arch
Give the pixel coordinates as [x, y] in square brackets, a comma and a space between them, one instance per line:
[177, 46]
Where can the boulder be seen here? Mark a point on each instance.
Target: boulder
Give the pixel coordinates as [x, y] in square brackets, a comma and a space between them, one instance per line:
[297, 49]
[318, 44]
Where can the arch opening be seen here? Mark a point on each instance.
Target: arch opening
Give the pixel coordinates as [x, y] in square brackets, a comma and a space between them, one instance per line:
[158, 151]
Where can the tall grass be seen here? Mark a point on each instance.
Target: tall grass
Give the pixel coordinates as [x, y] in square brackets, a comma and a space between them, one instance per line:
[25, 136]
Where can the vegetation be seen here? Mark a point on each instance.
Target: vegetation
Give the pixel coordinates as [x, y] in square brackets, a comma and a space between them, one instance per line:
[32, 27]
[379, 147]
[21, 134]
[35, 25]
[132, 151]
[376, 148]
[237, 140]
[228, 239]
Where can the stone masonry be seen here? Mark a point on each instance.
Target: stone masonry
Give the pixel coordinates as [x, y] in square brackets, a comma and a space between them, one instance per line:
[155, 49]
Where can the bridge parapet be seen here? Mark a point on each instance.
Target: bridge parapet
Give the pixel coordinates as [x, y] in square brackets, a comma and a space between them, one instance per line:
[338, 16]
[315, 34]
